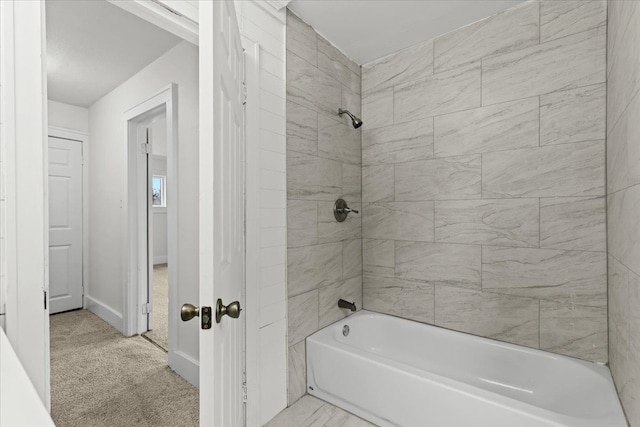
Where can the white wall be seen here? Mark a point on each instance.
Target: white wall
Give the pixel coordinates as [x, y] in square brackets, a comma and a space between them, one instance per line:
[68, 116]
[262, 24]
[107, 171]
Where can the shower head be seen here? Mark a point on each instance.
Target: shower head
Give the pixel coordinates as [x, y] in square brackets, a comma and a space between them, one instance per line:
[356, 121]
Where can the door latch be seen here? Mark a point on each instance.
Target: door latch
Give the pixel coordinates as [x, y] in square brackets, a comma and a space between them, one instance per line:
[205, 317]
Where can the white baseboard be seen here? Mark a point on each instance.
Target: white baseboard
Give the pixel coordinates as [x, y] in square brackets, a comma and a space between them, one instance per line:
[185, 366]
[160, 259]
[104, 312]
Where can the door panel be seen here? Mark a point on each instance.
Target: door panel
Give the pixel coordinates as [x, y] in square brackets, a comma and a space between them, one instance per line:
[65, 224]
[221, 212]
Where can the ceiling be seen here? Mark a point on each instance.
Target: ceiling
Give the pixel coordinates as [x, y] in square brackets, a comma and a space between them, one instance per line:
[94, 46]
[366, 30]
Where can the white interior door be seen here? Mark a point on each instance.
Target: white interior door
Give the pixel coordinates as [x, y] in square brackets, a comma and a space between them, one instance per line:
[221, 213]
[65, 224]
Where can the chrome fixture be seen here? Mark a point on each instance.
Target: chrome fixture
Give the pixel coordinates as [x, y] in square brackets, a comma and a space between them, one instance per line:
[356, 121]
[346, 304]
[341, 210]
[345, 330]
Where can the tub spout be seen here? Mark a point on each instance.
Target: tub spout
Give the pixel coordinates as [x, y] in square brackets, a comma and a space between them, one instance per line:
[346, 304]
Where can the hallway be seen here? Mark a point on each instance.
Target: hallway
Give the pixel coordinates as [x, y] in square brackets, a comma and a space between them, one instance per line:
[100, 378]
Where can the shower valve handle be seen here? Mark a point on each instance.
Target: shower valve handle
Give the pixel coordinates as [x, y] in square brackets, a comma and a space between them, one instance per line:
[341, 210]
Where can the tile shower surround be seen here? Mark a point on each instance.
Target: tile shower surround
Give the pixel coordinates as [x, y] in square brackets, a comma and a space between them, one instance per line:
[483, 179]
[623, 202]
[481, 172]
[324, 156]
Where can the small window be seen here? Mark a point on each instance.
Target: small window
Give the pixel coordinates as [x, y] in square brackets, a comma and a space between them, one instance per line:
[158, 191]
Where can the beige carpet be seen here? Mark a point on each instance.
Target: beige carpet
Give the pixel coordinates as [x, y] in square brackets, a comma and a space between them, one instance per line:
[100, 378]
[160, 313]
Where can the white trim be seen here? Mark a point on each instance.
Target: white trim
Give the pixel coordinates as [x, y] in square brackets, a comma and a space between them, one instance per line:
[186, 366]
[160, 259]
[83, 138]
[252, 230]
[134, 231]
[26, 222]
[104, 312]
[180, 24]
[273, 7]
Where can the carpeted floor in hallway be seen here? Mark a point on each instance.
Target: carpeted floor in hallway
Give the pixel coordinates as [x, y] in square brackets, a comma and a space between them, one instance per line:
[100, 378]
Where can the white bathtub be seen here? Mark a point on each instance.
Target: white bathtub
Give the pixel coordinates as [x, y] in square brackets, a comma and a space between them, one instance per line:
[395, 372]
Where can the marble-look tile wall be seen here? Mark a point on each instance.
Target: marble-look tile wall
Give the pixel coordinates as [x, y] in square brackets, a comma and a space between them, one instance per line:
[324, 257]
[483, 179]
[623, 201]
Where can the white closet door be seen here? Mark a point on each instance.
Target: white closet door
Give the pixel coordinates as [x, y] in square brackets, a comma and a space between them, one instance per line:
[65, 224]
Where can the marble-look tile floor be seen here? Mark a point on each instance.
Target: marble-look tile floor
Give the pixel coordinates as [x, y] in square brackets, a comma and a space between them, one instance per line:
[312, 412]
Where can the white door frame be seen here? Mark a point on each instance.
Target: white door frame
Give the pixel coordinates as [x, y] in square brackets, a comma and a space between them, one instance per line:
[135, 220]
[83, 139]
[24, 199]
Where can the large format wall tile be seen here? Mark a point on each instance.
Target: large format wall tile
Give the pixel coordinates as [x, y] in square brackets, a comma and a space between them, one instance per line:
[338, 66]
[491, 222]
[623, 149]
[302, 129]
[494, 128]
[624, 76]
[573, 115]
[442, 93]
[378, 183]
[378, 257]
[301, 39]
[302, 223]
[566, 63]
[303, 316]
[501, 317]
[349, 290]
[377, 108]
[410, 64]
[352, 183]
[311, 267]
[574, 330]
[439, 263]
[330, 230]
[403, 298]
[618, 292]
[313, 178]
[507, 31]
[564, 276]
[351, 258]
[398, 221]
[398, 143]
[563, 18]
[310, 87]
[551, 171]
[623, 228]
[575, 223]
[439, 179]
[338, 141]
[297, 372]
[324, 156]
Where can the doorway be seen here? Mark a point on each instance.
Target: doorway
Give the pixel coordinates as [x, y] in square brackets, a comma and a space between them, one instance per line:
[152, 226]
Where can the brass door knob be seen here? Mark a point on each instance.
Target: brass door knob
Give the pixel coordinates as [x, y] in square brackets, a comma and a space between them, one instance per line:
[232, 310]
[188, 312]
